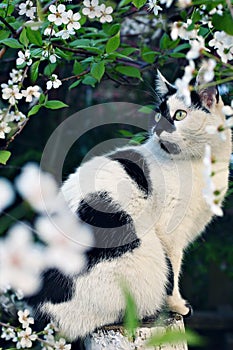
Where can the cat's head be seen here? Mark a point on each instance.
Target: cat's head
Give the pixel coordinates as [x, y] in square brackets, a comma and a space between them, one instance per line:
[181, 130]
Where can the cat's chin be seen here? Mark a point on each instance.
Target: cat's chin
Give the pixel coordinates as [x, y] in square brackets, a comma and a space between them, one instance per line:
[170, 147]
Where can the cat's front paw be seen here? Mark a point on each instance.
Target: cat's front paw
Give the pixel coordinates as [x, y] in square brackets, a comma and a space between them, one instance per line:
[179, 306]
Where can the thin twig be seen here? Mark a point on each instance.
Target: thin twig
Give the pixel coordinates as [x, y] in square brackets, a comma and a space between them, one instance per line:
[13, 31]
[16, 133]
[76, 76]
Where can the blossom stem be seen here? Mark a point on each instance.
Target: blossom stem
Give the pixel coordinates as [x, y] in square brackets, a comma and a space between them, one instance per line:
[214, 83]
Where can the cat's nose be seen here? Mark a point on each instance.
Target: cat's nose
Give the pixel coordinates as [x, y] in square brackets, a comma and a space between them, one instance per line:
[164, 125]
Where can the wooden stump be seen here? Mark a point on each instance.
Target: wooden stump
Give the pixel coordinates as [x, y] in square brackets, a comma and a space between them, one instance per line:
[113, 338]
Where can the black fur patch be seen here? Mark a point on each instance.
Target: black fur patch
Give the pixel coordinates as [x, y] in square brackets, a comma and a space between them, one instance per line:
[136, 167]
[170, 280]
[113, 228]
[56, 288]
[196, 101]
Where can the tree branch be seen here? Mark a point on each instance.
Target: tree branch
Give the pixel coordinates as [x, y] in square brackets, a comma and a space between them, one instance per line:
[13, 31]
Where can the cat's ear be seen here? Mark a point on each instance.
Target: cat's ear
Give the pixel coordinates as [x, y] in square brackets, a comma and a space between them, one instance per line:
[209, 95]
[163, 87]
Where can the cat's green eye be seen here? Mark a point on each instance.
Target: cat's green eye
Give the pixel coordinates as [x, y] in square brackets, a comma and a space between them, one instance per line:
[158, 116]
[180, 115]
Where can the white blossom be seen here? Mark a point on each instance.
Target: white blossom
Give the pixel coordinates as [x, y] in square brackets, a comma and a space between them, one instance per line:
[153, 6]
[184, 3]
[8, 334]
[54, 82]
[21, 260]
[16, 75]
[34, 25]
[91, 8]
[207, 70]
[180, 29]
[50, 54]
[104, 13]
[4, 129]
[50, 339]
[26, 338]
[224, 45]
[166, 2]
[7, 193]
[38, 188]
[220, 129]
[30, 92]
[182, 84]
[197, 46]
[49, 31]
[73, 20]
[23, 317]
[24, 58]
[61, 345]
[218, 10]
[65, 33]
[58, 14]
[64, 235]
[11, 93]
[27, 9]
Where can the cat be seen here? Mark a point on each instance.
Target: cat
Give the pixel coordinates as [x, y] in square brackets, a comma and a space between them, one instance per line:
[145, 205]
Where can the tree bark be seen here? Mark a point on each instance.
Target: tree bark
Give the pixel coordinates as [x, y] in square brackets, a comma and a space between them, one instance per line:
[113, 338]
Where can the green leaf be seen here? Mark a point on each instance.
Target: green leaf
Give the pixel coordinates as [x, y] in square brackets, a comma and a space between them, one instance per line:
[129, 71]
[34, 110]
[124, 3]
[89, 80]
[131, 315]
[97, 70]
[148, 55]
[40, 12]
[4, 156]
[4, 34]
[147, 109]
[34, 36]
[23, 37]
[111, 29]
[167, 43]
[76, 83]
[41, 99]
[55, 104]
[80, 42]
[113, 43]
[13, 43]
[50, 68]
[223, 22]
[172, 337]
[34, 71]
[177, 55]
[128, 51]
[139, 3]
[77, 68]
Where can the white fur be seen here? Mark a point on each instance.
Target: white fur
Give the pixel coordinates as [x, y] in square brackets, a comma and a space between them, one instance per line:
[168, 221]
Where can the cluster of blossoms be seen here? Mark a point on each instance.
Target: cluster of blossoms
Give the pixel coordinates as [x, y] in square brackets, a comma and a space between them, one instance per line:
[70, 21]
[223, 43]
[59, 231]
[13, 92]
[25, 337]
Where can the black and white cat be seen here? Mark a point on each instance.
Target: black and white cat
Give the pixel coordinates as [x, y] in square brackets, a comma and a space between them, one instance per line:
[144, 205]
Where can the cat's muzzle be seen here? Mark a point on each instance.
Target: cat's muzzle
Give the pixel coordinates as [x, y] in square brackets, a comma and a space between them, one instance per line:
[164, 125]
